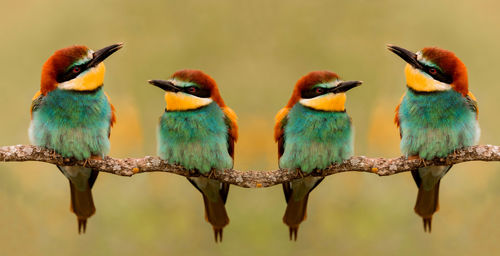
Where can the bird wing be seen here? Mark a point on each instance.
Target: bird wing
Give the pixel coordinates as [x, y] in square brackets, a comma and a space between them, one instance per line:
[112, 120]
[232, 131]
[396, 118]
[281, 120]
[472, 102]
[35, 102]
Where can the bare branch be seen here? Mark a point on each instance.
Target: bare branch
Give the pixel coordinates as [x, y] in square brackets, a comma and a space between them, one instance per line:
[247, 179]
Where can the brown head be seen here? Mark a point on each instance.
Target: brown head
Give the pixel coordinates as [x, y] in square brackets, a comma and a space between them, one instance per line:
[318, 90]
[75, 68]
[433, 69]
[189, 89]
[321, 90]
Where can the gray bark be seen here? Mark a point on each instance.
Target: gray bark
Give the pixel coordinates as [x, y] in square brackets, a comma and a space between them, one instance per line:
[246, 179]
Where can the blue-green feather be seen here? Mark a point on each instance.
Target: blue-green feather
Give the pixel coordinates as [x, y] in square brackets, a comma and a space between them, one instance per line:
[315, 139]
[435, 124]
[196, 139]
[74, 124]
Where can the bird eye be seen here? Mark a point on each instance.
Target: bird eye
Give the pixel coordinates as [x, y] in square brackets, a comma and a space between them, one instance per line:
[192, 89]
[76, 70]
[319, 90]
[433, 71]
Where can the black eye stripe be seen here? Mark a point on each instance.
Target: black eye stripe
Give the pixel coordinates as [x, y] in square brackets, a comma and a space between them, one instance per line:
[440, 76]
[69, 74]
[311, 93]
[199, 92]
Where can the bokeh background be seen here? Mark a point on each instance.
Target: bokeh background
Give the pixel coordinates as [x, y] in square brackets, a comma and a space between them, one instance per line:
[256, 51]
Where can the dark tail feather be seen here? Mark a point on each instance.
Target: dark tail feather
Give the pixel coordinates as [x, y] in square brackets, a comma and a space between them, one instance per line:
[218, 234]
[215, 214]
[82, 205]
[293, 233]
[82, 225]
[427, 204]
[295, 213]
[427, 224]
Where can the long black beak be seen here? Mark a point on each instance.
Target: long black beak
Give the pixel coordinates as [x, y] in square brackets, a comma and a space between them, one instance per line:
[409, 57]
[165, 85]
[345, 86]
[103, 53]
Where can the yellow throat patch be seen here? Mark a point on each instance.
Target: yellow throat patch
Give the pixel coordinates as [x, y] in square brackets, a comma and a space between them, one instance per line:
[328, 102]
[419, 81]
[182, 101]
[87, 81]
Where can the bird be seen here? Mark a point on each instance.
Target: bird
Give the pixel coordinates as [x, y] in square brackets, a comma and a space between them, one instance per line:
[198, 131]
[436, 116]
[72, 115]
[312, 131]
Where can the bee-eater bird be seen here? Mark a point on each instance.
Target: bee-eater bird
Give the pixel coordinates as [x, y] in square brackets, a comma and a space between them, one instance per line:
[198, 131]
[312, 131]
[437, 115]
[72, 115]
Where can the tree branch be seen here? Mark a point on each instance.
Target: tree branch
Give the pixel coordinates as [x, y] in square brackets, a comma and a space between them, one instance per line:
[247, 179]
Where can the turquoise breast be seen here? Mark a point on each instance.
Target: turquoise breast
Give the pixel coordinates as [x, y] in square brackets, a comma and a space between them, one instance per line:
[435, 124]
[196, 139]
[74, 124]
[316, 139]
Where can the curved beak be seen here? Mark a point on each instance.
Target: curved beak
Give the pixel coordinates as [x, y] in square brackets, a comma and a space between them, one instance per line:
[165, 85]
[345, 86]
[104, 53]
[409, 57]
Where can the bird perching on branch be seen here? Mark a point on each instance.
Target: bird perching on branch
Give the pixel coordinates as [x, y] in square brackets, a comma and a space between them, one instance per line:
[72, 115]
[313, 131]
[437, 115]
[198, 131]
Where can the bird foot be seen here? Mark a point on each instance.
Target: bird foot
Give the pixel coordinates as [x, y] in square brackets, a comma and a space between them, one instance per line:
[91, 158]
[299, 172]
[413, 157]
[416, 157]
[211, 174]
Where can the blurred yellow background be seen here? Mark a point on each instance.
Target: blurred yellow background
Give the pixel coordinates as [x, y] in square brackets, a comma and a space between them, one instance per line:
[256, 51]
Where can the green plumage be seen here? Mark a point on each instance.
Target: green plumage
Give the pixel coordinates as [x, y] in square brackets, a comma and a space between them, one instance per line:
[434, 124]
[315, 139]
[196, 139]
[74, 124]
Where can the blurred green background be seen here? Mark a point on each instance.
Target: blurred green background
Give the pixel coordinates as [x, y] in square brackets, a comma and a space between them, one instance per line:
[256, 51]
